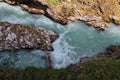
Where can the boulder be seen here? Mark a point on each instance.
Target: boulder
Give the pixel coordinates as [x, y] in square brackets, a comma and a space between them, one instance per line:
[17, 36]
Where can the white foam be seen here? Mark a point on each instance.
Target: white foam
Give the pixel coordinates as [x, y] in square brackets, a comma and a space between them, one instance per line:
[62, 54]
[80, 41]
[75, 40]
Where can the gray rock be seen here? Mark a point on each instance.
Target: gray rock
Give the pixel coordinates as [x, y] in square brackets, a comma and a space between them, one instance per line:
[17, 36]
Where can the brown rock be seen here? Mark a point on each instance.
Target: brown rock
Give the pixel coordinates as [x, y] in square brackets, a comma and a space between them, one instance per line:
[16, 36]
[92, 12]
[31, 9]
[1, 0]
[10, 1]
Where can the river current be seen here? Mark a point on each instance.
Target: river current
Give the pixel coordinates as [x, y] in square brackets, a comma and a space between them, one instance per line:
[76, 40]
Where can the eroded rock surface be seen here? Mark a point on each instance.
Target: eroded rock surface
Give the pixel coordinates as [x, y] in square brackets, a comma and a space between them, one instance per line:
[92, 12]
[17, 36]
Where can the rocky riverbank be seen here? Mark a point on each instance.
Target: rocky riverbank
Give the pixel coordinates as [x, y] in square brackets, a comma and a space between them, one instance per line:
[93, 12]
[105, 69]
[17, 36]
[112, 51]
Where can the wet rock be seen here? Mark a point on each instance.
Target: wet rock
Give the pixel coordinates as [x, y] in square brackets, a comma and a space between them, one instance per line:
[94, 20]
[32, 10]
[93, 12]
[111, 51]
[10, 1]
[17, 36]
[82, 63]
[53, 36]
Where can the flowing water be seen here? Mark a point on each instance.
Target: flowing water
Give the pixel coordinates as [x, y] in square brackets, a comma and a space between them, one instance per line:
[76, 40]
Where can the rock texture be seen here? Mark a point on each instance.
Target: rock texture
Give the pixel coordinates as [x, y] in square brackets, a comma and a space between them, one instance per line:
[17, 36]
[111, 51]
[92, 12]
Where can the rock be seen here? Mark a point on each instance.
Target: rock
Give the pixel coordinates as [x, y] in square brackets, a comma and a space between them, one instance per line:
[1, 0]
[82, 63]
[17, 36]
[53, 36]
[94, 20]
[55, 16]
[113, 50]
[10, 1]
[115, 19]
[93, 12]
[31, 9]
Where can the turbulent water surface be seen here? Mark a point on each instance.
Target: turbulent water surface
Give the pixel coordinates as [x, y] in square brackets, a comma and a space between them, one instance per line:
[76, 40]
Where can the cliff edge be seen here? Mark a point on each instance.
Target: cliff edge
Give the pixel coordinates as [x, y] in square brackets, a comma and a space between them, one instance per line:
[93, 12]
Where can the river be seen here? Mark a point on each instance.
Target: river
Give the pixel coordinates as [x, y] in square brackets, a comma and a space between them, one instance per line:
[76, 40]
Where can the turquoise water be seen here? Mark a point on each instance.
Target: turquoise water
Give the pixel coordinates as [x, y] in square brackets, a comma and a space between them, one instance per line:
[76, 40]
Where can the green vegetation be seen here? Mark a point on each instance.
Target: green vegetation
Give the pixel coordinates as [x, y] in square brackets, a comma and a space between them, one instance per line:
[52, 2]
[56, 2]
[107, 69]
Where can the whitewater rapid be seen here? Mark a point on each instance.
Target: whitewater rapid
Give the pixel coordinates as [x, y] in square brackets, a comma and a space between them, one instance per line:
[76, 40]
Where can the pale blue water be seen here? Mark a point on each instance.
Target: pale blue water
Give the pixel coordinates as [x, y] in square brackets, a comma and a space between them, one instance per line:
[76, 40]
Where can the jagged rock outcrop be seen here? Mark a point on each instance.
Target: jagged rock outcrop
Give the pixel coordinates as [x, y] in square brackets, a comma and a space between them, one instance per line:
[93, 12]
[17, 36]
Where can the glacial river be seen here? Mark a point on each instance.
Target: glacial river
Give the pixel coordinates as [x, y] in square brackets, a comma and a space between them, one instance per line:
[76, 40]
